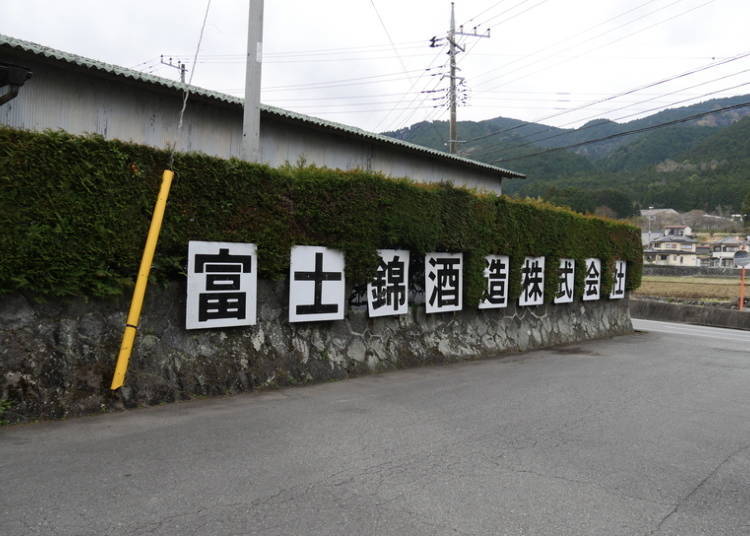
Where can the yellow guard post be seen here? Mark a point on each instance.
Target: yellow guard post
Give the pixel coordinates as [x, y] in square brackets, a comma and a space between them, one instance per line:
[139, 292]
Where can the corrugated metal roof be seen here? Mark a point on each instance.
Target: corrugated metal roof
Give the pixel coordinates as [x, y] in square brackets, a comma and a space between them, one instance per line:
[116, 70]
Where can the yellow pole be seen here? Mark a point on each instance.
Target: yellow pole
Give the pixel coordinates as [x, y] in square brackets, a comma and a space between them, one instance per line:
[139, 292]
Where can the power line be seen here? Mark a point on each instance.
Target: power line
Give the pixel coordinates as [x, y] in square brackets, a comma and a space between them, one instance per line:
[320, 60]
[605, 44]
[342, 82]
[388, 34]
[532, 141]
[628, 92]
[661, 106]
[411, 88]
[483, 12]
[626, 133]
[595, 26]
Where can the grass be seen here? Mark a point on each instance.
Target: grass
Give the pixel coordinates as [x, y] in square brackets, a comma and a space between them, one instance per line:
[705, 288]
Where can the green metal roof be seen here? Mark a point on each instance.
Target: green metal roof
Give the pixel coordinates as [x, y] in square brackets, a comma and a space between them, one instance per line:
[116, 70]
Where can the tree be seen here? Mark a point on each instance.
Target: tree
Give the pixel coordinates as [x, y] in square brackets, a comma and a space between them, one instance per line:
[746, 210]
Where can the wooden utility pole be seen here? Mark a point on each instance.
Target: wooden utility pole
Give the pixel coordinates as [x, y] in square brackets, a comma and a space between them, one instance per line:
[250, 149]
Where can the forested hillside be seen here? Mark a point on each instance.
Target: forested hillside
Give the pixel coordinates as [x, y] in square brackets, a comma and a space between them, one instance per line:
[700, 164]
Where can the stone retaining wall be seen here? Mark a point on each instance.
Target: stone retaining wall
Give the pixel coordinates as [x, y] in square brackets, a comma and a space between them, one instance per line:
[57, 357]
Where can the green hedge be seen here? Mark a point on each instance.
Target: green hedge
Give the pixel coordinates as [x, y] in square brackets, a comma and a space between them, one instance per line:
[74, 212]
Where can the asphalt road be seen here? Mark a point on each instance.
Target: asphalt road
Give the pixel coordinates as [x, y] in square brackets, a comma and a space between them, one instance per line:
[647, 434]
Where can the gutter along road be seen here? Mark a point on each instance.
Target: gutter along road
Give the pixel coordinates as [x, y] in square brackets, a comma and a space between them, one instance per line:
[647, 434]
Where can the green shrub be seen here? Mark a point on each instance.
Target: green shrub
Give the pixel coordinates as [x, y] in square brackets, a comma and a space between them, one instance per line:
[75, 211]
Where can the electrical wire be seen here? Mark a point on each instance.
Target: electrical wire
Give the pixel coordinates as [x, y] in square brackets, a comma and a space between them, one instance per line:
[627, 132]
[598, 47]
[566, 39]
[628, 92]
[487, 150]
[661, 106]
[388, 34]
[483, 12]
[344, 82]
[187, 86]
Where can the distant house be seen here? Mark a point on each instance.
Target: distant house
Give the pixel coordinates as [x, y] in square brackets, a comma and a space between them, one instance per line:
[657, 212]
[678, 230]
[722, 251]
[672, 251]
[648, 237]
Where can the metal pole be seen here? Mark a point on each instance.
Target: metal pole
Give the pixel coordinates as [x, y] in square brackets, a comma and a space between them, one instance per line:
[452, 134]
[134, 315]
[250, 150]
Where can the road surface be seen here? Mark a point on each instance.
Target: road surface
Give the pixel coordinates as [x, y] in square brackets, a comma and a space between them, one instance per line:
[639, 435]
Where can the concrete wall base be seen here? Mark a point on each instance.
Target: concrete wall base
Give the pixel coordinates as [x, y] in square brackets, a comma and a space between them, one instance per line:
[690, 314]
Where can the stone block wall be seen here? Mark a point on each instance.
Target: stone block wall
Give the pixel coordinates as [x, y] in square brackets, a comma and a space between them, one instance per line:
[57, 356]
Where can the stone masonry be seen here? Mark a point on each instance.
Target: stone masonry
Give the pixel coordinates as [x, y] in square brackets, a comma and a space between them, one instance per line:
[57, 356]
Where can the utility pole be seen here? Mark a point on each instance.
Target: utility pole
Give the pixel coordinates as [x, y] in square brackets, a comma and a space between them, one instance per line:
[452, 46]
[453, 49]
[250, 149]
[179, 66]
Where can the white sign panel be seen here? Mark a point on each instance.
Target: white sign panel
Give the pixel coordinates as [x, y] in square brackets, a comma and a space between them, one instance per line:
[387, 292]
[593, 280]
[532, 282]
[316, 284]
[443, 282]
[222, 285]
[618, 281]
[495, 282]
[565, 281]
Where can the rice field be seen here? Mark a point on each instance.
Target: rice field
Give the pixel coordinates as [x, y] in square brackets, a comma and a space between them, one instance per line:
[703, 288]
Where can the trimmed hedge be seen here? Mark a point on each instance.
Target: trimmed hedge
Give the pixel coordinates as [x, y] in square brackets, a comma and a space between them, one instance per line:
[75, 211]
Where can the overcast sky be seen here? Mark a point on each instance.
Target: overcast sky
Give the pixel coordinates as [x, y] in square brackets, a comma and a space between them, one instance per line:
[334, 58]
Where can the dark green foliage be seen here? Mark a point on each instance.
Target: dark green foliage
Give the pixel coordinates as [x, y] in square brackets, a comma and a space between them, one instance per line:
[709, 169]
[75, 212]
[656, 146]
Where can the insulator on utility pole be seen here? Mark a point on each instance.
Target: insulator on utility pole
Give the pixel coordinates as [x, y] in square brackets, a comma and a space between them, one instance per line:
[453, 49]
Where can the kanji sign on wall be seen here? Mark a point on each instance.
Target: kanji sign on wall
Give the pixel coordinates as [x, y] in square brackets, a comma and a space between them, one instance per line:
[565, 279]
[221, 285]
[532, 281]
[496, 271]
[592, 282]
[618, 281]
[316, 284]
[388, 292]
[443, 282]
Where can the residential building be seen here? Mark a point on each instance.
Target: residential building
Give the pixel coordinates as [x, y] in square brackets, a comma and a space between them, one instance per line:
[672, 251]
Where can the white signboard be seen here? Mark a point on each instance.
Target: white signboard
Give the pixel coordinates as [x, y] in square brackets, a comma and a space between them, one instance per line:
[532, 282]
[316, 284]
[565, 281]
[443, 282]
[618, 281]
[221, 285]
[495, 282]
[592, 282]
[387, 292]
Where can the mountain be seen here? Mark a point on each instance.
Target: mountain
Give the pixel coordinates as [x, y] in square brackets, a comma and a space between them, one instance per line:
[698, 164]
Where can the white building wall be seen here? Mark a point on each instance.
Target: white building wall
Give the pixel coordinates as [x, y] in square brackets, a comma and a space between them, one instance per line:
[74, 99]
